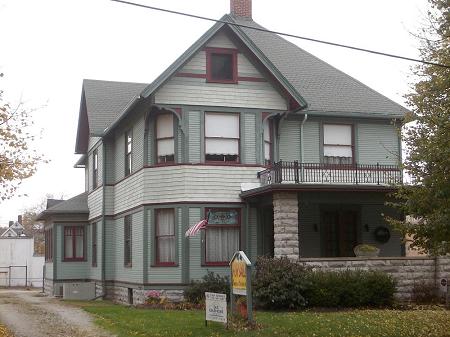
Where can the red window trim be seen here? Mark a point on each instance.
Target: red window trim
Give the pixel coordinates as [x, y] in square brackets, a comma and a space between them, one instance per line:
[162, 138]
[238, 226]
[228, 51]
[157, 262]
[73, 235]
[238, 161]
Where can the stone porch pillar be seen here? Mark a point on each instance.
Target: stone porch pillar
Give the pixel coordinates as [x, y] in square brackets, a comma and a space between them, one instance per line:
[285, 225]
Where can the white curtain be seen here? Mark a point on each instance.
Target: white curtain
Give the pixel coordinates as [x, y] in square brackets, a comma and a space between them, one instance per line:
[68, 244]
[164, 126]
[337, 151]
[221, 146]
[221, 242]
[335, 134]
[166, 235]
[266, 127]
[79, 242]
[165, 147]
[225, 125]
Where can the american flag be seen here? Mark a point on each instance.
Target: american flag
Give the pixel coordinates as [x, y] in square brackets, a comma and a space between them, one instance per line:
[194, 229]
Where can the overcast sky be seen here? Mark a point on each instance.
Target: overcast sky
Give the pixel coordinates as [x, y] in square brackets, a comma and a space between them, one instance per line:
[48, 47]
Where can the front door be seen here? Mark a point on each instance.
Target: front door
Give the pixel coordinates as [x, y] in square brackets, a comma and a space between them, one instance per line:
[339, 232]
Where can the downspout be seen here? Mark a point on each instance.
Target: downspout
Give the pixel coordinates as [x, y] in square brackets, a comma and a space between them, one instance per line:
[302, 148]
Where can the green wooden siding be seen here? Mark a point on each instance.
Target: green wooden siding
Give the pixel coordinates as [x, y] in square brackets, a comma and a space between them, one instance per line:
[289, 143]
[194, 140]
[252, 234]
[311, 139]
[378, 143]
[248, 138]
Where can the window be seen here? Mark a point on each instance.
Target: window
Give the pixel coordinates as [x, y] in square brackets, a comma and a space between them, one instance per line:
[268, 141]
[337, 144]
[222, 137]
[222, 235]
[48, 245]
[165, 141]
[165, 236]
[95, 169]
[127, 235]
[221, 65]
[73, 243]
[94, 244]
[128, 149]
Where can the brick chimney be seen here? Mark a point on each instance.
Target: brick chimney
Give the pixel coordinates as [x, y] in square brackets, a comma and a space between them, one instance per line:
[241, 8]
[19, 219]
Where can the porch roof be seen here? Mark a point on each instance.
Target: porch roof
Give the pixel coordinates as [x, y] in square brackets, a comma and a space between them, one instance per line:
[269, 189]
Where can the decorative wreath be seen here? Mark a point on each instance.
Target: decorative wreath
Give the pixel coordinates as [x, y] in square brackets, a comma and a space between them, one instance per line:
[382, 234]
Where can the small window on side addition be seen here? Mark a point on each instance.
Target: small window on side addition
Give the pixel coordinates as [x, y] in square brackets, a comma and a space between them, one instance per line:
[221, 65]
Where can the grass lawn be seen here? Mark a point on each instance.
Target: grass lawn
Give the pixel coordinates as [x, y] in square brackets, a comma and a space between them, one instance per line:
[126, 321]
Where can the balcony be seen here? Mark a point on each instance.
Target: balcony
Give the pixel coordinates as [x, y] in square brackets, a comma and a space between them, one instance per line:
[285, 172]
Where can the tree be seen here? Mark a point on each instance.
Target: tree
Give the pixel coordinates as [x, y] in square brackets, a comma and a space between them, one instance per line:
[427, 140]
[18, 160]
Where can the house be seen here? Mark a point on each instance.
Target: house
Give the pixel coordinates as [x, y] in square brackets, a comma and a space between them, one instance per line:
[284, 154]
[19, 265]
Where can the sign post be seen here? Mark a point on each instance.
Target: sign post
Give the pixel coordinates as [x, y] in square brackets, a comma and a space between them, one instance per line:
[241, 281]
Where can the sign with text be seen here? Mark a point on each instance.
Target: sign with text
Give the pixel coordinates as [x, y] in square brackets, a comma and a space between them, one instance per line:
[239, 265]
[216, 307]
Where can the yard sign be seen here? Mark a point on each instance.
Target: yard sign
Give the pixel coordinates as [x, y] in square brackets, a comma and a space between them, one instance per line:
[216, 307]
[241, 280]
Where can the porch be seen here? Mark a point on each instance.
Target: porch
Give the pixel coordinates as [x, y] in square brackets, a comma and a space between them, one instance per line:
[317, 223]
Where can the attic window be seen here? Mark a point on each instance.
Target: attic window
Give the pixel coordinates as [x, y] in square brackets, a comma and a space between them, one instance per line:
[221, 65]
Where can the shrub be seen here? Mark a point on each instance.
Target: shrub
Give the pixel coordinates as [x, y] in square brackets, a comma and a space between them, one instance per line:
[279, 284]
[350, 288]
[195, 292]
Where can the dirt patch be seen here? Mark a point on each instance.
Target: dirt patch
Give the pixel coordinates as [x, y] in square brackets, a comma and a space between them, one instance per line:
[27, 314]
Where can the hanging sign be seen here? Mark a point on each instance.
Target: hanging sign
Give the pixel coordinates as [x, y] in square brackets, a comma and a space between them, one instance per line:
[216, 307]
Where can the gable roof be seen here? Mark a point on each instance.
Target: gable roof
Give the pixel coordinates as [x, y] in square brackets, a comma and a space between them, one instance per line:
[11, 231]
[75, 205]
[101, 103]
[318, 87]
[326, 89]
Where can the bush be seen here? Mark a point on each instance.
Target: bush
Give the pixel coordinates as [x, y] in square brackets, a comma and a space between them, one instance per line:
[195, 292]
[350, 288]
[279, 284]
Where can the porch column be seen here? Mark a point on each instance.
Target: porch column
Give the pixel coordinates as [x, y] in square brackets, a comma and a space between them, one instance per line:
[285, 225]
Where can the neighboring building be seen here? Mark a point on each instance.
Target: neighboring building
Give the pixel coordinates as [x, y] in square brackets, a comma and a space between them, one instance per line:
[19, 265]
[285, 154]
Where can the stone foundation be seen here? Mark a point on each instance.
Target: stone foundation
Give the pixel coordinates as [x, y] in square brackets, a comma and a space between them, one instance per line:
[120, 294]
[410, 273]
[48, 287]
[285, 225]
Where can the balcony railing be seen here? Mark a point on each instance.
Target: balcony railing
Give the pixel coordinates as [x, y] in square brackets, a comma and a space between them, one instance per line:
[318, 173]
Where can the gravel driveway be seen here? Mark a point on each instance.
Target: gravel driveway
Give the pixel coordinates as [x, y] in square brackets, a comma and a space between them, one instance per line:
[29, 314]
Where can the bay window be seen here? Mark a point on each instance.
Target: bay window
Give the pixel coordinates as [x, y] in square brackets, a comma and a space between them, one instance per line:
[74, 246]
[222, 137]
[222, 235]
[165, 237]
[165, 141]
[337, 144]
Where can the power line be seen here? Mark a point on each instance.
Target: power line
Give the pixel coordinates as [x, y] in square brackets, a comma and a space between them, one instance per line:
[284, 34]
